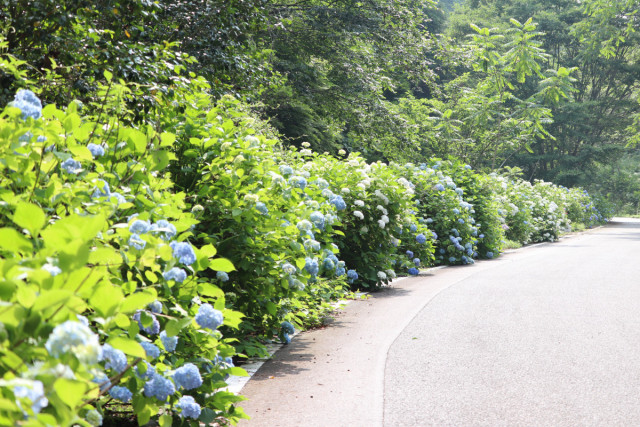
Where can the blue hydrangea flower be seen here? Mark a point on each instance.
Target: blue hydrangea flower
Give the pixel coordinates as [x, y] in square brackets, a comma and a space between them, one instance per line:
[188, 407]
[155, 307]
[286, 329]
[150, 349]
[452, 259]
[413, 228]
[289, 269]
[312, 245]
[168, 342]
[222, 276]
[183, 252]
[209, 317]
[304, 225]
[321, 183]
[416, 261]
[151, 330]
[75, 338]
[421, 239]
[328, 265]
[298, 182]
[296, 284]
[318, 219]
[223, 363]
[262, 208]
[28, 103]
[352, 276]
[101, 190]
[409, 254]
[159, 387]
[286, 170]
[413, 271]
[187, 377]
[439, 187]
[177, 274]
[95, 149]
[137, 242]
[338, 202]
[459, 191]
[71, 166]
[461, 221]
[51, 269]
[435, 235]
[140, 226]
[93, 417]
[119, 197]
[167, 230]
[33, 391]
[311, 265]
[481, 236]
[489, 254]
[456, 211]
[120, 393]
[102, 380]
[148, 374]
[340, 271]
[115, 358]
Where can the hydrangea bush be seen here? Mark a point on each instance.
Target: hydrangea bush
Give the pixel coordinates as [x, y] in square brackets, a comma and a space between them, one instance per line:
[102, 290]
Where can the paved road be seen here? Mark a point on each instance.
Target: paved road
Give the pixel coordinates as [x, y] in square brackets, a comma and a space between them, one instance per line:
[547, 335]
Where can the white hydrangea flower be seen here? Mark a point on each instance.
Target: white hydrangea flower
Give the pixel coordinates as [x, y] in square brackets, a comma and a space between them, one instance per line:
[359, 203]
[358, 214]
[345, 191]
[382, 275]
[381, 223]
[341, 152]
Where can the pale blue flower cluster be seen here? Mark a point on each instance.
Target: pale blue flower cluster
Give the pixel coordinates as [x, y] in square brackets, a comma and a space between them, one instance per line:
[96, 150]
[318, 219]
[222, 276]
[304, 225]
[286, 330]
[298, 182]
[168, 342]
[150, 349]
[262, 208]
[338, 202]
[140, 226]
[33, 391]
[413, 271]
[188, 407]
[289, 269]
[311, 245]
[177, 274]
[413, 228]
[421, 239]
[159, 387]
[165, 228]
[223, 363]
[187, 377]
[489, 254]
[137, 242]
[71, 166]
[439, 187]
[286, 170]
[311, 265]
[409, 254]
[148, 374]
[183, 252]
[416, 261]
[321, 183]
[52, 269]
[103, 191]
[102, 380]
[155, 307]
[115, 358]
[209, 317]
[93, 417]
[28, 103]
[120, 393]
[74, 338]
[153, 329]
[352, 276]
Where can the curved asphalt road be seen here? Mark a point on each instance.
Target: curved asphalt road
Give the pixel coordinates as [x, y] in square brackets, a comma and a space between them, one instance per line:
[546, 335]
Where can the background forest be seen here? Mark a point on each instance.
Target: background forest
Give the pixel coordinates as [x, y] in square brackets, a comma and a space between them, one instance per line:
[494, 83]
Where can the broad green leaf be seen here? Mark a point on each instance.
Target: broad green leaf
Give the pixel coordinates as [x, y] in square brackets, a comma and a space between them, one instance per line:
[71, 392]
[13, 241]
[138, 301]
[174, 326]
[221, 264]
[105, 299]
[29, 216]
[128, 346]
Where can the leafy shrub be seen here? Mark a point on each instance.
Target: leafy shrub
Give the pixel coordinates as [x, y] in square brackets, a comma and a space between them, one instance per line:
[100, 283]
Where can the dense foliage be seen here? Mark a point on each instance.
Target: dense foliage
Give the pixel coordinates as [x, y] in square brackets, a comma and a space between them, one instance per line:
[155, 230]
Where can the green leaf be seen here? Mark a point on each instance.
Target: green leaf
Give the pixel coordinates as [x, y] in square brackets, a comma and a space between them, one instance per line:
[165, 420]
[174, 326]
[167, 139]
[105, 299]
[29, 216]
[107, 75]
[238, 372]
[13, 241]
[138, 301]
[128, 346]
[221, 264]
[71, 392]
[210, 290]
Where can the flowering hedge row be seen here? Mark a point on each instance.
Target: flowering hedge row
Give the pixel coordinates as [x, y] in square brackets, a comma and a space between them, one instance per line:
[114, 296]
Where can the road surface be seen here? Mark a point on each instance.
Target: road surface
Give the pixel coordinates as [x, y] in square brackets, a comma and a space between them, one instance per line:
[546, 335]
